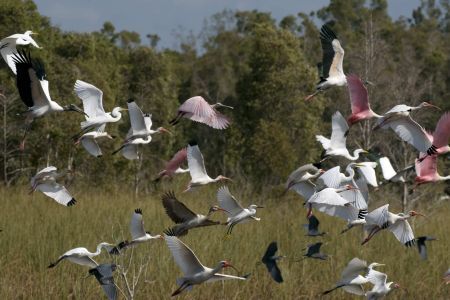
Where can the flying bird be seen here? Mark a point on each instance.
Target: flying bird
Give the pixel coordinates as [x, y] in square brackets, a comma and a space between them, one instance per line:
[138, 234]
[313, 251]
[104, 275]
[89, 141]
[45, 181]
[300, 180]
[193, 270]
[197, 168]
[185, 218]
[313, 226]
[197, 109]
[389, 173]
[236, 213]
[359, 100]
[398, 112]
[8, 47]
[174, 165]
[426, 171]
[331, 72]
[270, 261]
[336, 145]
[380, 287]
[422, 247]
[82, 256]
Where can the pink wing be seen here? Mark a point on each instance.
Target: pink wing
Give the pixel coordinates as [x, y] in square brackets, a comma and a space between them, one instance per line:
[441, 135]
[198, 107]
[218, 121]
[176, 161]
[428, 167]
[358, 94]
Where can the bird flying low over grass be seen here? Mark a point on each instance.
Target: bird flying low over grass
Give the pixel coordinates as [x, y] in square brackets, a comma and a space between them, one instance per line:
[270, 261]
[82, 256]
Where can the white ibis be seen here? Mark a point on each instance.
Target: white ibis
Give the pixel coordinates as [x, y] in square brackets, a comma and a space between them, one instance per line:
[389, 173]
[236, 213]
[89, 141]
[45, 181]
[8, 47]
[330, 69]
[380, 287]
[138, 233]
[197, 168]
[426, 170]
[173, 166]
[422, 247]
[336, 145]
[313, 251]
[398, 112]
[33, 89]
[270, 261]
[359, 100]
[82, 256]
[351, 279]
[313, 226]
[105, 277]
[185, 218]
[193, 270]
[300, 180]
[381, 218]
[197, 109]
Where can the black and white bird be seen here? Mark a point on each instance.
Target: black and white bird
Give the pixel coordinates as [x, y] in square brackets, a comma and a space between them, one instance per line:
[270, 261]
[422, 247]
[313, 226]
[185, 218]
[331, 72]
[83, 256]
[104, 275]
[8, 47]
[313, 251]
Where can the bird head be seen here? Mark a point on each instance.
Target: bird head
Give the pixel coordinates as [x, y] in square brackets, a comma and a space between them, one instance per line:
[163, 130]
[226, 264]
[413, 213]
[222, 178]
[375, 264]
[350, 187]
[73, 107]
[217, 208]
[428, 104]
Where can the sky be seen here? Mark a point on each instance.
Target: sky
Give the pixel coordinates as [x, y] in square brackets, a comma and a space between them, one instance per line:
[166, 17]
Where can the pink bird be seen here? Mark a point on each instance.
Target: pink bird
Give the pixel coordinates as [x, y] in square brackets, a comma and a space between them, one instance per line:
[427, 171]
[197, 109]
[440, 138]
[359, 99]
[174, 165]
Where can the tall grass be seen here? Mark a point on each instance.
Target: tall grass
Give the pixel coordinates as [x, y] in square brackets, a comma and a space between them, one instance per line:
[36, 231]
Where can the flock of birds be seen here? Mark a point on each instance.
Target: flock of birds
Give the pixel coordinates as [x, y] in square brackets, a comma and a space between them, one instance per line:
[341, 195]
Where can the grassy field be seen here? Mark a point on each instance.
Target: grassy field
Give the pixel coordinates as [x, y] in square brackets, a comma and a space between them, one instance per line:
[36, 231]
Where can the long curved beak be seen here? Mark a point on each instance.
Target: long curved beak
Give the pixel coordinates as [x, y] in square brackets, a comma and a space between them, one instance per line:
[434, 106]
[226, 178]
[422, 215]
[231, 107]
[233, 267]
[259, 206]
[162, 129]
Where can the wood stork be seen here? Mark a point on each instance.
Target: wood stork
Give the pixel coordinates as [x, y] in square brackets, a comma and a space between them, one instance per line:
[381, 218]
[82, 256]
[193, 270]
[33, 89]
[138, 233]
[270, 261]
[105, 277]
[351, 279]
[313, 251]
[236, 213]
[185, 218]
[331, 72]
[380, 287]
[426, 171]
[45, 181]
[173, 166]
[89, 141]
[336, 145]
[197, 168]
[313, 226]
[389, 173]
[422, 247]
[300, 180]
[197, 109]
[96, 117]
[359, 99]
[8, 47]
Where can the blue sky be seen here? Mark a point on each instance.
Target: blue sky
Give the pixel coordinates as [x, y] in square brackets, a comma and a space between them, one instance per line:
[165, 17]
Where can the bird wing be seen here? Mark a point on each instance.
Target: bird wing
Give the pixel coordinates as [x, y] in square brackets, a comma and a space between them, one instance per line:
[176, 161]
[353, 269]
[57, 192]
[218, 121]
[427, 167]
[175, 209]
[219, 277]
[104, 275]
[91, 146]
[326, 143]
[397, 109]
[198, 107]
[422, 247]
[377, 278]
[403, 232]
[356, 289]
[378, 216]
[196, 163]
[328, 196]
[183, 256]
[313, 223]
[136, 118]
[228, 202]
[148, 121]
[130, 152]
[411, 132]
[314, 248]
[304, 189]
[270, 251]
[355, 197]
[331, 178]
[333, 54]
[7, 51]
[137, 225]
[441, 135]
[361, 184]
[359, 97]
[386, 168]
[339, 130]
[367, 170]
[92, 98]
[275, 272]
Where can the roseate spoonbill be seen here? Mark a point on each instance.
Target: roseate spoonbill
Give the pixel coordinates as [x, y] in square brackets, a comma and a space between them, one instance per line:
[270, 261]
[380, 287]
[351, 280]
[45, 181]
[104, 275]
[185, 218]
[300, 180]
[421, 245]
[82, 256]
[194, 271]
[197, 168]
[313, 226]
[331, 72]
[33, 89]
[389, 173]
[8, 46]
[335, 146]
[313, 251]
[359, 100]
[426, 171]
[173, 166]
[236, 213]
[381, 218]
[138, 233]
[89, 141]
[197, 109]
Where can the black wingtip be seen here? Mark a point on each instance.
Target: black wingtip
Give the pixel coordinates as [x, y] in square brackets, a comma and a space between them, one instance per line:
[130, 100]
[100, 156]
[52, 265]
[169, 232]
[318, 165]
[192, 143]
[138, 211]
[72, 202]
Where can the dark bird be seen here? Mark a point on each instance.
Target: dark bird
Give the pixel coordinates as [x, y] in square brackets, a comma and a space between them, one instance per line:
[270, 260]
[313, 226]
[421, 246]
[314, 252]
[104, 275]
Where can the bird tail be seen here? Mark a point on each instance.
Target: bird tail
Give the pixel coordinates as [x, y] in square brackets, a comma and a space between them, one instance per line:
[52, 265]
[118, 249]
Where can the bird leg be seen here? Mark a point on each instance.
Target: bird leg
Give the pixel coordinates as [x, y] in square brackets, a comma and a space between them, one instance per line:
[121, 147]
[309, 97]
[180, 289]
[27, 128]
[176, 119]
[371, 234]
